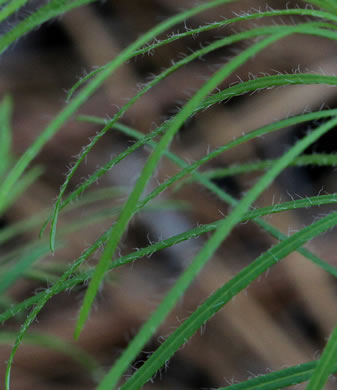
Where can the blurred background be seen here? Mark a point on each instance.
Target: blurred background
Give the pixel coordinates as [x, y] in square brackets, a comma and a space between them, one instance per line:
[285, 317]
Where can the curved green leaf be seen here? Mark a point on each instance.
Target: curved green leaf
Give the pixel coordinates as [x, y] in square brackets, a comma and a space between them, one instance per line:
[325, 364]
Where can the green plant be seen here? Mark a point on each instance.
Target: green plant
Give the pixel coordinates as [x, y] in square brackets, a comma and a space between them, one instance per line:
[322, 23]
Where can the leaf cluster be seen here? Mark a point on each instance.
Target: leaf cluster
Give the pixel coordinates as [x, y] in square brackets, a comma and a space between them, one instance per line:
[16, 176]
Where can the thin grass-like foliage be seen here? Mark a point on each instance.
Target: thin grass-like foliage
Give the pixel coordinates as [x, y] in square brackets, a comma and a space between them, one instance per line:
[16, 176]
[5, 135]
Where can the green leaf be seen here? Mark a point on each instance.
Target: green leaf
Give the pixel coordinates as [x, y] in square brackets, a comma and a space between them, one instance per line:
[19, 268]
[279, 379]
[52, 9]
[325, 364]
[21, 186]
[10, 8]
[6, 109]
[55, 343]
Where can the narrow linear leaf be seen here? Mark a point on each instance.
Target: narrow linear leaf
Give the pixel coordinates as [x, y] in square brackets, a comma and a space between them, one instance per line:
[278, 379]
[10, 8]
[52, 9]
[6, 108]
[91, 197]
[18, 269]
[39, 304]
[55, 343]
[323, 4]
[37, 299]
[325, 364]
[316, 159]
[264, 82]
[21, 186]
